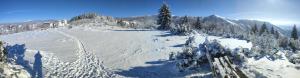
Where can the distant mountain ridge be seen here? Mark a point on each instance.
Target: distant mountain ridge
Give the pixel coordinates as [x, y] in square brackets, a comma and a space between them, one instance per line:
[29, 22]
[244, 24]
[149, 21]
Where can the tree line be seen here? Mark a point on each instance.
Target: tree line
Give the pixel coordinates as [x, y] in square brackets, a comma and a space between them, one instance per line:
[266, 38]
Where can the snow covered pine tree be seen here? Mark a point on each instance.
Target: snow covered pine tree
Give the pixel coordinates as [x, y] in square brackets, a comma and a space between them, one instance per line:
[164, 18]
[263, 29]
[198, 24]
[294, 33]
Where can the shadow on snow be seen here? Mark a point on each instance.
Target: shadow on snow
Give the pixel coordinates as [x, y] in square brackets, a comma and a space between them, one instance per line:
[16, 53]
[135, 30]
[166, 34]
[178, 45]
[157, 69]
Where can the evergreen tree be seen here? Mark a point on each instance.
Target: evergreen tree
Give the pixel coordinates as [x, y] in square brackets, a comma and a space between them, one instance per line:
[272, 30]
[294, 33]
[184, 20]
[276, 34]
[263, 29]
[164, 18]
[254, 29]
[198, 23]
[283, 42]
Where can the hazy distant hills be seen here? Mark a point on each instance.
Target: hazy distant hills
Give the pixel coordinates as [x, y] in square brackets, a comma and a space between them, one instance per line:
[150, 21]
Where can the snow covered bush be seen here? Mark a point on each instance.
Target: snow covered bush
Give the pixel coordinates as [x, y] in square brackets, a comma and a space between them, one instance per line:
[9, 70]
[184, 28]
[191, 56]
[172, 56]
[255, 52]
[239, 55]
[3, 53]
[294, 44]
[121, 22]
[215, 48]
[283, 42]
[295, 59]
[292, 56]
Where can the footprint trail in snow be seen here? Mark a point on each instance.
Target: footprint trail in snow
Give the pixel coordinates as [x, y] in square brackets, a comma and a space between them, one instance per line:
[86, 66]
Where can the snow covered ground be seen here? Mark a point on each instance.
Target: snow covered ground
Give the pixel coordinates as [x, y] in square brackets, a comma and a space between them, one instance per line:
[110, 51]
[279, 68]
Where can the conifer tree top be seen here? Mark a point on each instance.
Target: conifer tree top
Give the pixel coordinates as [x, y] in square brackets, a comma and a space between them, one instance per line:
[164, 17]
[294, 33]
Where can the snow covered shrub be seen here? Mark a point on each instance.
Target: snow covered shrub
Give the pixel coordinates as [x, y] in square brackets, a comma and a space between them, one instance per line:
[278, 54]
[295, 60]
[121, 22]
[255, 52]
[283, 42]
[183, 28]
[190, 41]
[258, 74]
[214, 48]
[10, 70]
[293, 57]
[191, 56]
[264, 44]
[217, 50]
[187, 59]
[239, 55]
[247, 52]
[294, 44]
[172, 56]
[3, 53]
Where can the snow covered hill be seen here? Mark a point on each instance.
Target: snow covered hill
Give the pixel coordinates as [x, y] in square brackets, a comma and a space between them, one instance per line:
[218, 20]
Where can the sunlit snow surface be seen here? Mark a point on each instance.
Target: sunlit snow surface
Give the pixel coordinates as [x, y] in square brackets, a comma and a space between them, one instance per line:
[113, 51]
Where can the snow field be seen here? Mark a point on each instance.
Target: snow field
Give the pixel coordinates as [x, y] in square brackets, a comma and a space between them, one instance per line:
[118, 52]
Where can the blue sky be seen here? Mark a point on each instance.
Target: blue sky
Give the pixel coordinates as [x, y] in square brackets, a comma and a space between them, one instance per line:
[279, 12]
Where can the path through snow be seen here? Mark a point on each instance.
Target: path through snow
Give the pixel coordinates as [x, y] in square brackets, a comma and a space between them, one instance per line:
[87, 66]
